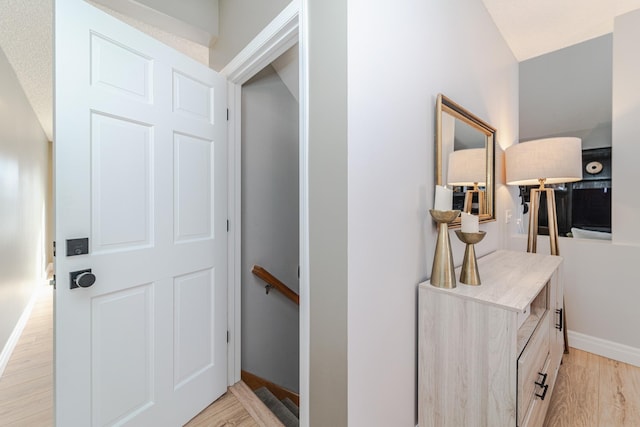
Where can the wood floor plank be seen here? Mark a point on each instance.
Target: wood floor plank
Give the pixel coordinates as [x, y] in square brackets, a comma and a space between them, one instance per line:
[619, 394]
[26, 386]
[32, 372]
[254, 406]
[13, 410]
[41, 418]
[574, 402]
[224, 412]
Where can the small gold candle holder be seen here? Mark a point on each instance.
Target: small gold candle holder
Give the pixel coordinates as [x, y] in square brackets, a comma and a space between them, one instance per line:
[442, 273]
[470, 274]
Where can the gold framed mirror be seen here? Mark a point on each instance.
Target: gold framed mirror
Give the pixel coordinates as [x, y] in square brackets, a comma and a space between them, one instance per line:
[465, 159]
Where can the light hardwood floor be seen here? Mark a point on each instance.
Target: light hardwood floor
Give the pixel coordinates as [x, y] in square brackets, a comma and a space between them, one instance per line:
[224, 412]
[26, 386]
[591, 391]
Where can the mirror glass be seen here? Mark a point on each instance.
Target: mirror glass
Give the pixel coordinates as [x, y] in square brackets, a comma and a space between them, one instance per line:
[465, 160]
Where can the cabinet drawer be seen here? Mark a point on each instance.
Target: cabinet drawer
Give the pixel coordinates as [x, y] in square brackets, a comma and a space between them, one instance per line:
[538, 408]
[531, 365]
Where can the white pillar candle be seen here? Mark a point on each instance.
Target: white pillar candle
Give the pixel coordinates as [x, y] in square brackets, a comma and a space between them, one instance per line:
[444, 199]
[470, 223]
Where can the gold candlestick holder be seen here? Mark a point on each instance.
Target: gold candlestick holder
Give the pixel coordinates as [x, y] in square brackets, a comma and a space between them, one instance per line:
[470, 274]
[442, 273]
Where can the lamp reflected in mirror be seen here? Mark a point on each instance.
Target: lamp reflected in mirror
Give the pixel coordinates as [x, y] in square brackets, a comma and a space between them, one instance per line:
[465, 159]
[467, 168]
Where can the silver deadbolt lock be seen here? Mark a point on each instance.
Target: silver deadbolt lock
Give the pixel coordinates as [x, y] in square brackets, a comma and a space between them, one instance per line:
[81, 279]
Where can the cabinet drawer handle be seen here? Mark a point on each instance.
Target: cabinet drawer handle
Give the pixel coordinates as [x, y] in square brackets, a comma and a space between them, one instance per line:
[559, 324]
[544, 392]
[544, 379]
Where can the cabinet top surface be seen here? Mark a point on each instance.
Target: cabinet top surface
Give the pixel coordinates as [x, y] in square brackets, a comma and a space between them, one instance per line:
[509, 279]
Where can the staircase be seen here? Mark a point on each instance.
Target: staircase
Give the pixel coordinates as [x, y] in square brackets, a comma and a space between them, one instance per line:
[281, 402]
[286, 411]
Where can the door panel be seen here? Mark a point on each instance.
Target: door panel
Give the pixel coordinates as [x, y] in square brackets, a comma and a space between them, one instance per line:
[123, 320]
[121, 69]
[193, 344]
[192, 98]
[193, 202]
[140, 169]
[122, 210]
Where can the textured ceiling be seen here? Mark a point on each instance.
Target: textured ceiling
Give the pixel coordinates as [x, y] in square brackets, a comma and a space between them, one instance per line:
[26, 37]
[534, 27]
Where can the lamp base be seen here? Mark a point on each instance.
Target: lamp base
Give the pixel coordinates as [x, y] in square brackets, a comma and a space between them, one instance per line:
[468, 201]
[532, 239]
[552, 219]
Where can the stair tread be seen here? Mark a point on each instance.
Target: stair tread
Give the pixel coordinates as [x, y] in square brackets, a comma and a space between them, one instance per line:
[291, 406]
[280, 410]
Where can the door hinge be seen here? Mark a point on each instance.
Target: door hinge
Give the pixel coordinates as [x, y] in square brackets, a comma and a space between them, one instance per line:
[52, 282]
[54, 248]
[228, 336]
[227, 114]
[227, 226]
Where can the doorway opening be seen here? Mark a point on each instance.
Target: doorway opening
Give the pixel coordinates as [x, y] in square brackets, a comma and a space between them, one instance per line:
[264, 52]
[270, 235]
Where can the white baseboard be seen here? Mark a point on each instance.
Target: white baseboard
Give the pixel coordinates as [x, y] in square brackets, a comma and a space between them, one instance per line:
[612, 350]
[17, 331]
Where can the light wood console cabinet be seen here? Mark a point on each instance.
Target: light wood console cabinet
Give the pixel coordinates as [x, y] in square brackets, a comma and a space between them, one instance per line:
[489, 354]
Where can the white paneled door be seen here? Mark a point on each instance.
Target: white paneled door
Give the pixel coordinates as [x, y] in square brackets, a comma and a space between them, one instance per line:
[140, 171]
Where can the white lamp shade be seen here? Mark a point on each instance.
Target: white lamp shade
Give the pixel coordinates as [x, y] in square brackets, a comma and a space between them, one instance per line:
[556, 160]
[467, 167]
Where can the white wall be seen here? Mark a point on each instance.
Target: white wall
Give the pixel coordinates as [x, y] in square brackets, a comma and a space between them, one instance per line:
[288, 68]
[23, 191]
[401, 55]
[240, 21]
[324, 58]
[601, 295]
[270, 213]
[626, 128]
[202, 14]
[601, 278]
[568, 93]
[194, 21]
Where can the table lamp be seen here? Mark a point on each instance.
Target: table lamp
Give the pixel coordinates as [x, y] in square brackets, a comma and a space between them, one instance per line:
[469, 168]
[550, 161]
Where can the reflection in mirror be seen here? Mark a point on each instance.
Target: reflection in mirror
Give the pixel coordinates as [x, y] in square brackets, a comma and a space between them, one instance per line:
[465, 158]
[468, 168]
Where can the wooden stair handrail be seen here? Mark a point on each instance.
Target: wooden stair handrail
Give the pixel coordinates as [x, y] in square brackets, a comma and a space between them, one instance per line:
[273, 282]
[254, 382]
